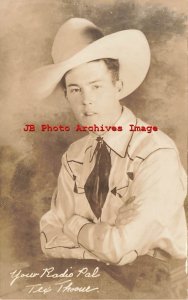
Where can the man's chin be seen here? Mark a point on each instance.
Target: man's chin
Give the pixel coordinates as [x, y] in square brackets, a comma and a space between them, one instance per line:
[90, 121]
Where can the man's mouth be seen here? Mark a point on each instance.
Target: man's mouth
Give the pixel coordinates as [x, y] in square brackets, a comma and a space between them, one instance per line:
[89, 113]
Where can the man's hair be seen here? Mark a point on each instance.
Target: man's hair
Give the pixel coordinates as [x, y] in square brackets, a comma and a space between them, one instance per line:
[111, 64]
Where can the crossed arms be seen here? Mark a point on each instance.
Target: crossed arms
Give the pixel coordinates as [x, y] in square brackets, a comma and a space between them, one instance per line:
[159, 193]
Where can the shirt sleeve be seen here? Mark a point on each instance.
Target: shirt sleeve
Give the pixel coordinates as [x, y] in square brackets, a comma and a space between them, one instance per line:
[54, 242]
[160, 186]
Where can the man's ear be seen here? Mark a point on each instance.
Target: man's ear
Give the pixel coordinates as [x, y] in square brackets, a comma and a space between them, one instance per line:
[119, 85]
[65, 93]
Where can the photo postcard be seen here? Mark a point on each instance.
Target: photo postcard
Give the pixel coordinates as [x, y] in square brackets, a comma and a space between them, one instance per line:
[93, 149]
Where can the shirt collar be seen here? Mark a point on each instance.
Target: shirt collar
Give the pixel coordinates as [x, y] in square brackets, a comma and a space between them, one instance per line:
[117, 141]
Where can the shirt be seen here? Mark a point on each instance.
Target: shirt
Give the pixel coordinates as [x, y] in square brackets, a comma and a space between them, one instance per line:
[144, 165]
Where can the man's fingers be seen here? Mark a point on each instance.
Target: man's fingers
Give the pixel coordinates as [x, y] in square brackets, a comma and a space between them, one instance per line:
[127, 215]
[128, 211]
[130, 200]
[122, 220]
[131, 206]
[125, 210]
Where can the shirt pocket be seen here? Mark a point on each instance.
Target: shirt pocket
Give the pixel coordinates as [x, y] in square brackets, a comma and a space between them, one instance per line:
[124, 187]
[116, 198]
[120, 191]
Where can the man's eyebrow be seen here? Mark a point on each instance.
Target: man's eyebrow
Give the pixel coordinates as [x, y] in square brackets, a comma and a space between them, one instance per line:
[72, 84]
[91, 82]
[94, 81]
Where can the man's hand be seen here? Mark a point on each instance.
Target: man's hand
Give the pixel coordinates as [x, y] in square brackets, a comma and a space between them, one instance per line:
[128, 211]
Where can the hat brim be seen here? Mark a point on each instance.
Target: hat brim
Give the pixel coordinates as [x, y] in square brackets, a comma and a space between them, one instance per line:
[130, 47]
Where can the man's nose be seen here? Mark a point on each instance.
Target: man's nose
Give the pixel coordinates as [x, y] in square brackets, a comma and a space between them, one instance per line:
[86, 97]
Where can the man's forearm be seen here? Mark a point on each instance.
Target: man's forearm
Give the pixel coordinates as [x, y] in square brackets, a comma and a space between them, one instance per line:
[102, 240]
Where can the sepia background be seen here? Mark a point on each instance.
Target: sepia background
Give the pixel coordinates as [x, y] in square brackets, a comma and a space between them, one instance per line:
[30, 162]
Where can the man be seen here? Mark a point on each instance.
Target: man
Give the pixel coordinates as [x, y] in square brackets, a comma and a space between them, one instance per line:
[120, 192]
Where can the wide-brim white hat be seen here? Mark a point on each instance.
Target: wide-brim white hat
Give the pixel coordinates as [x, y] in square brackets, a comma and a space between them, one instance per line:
[79, 41]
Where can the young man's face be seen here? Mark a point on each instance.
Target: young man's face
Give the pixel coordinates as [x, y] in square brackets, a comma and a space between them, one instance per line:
[92, 94]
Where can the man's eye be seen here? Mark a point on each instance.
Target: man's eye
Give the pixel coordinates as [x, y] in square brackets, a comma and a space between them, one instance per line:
[74, 90]
[96, 86]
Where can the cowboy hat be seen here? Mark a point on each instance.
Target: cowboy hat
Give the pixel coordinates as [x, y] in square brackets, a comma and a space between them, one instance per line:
[79, 41]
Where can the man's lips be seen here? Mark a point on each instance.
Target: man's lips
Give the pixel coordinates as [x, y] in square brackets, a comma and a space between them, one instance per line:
[89, 113]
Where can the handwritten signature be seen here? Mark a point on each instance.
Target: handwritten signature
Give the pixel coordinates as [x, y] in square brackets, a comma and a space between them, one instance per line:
[60, 287]
[64, 286]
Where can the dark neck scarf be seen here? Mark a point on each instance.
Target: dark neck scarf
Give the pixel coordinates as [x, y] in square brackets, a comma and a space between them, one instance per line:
[97, 183]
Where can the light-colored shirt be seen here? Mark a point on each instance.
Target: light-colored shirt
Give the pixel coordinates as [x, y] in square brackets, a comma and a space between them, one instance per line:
[144, 165]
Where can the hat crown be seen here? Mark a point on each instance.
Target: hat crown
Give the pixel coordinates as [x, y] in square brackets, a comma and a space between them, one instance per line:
[73, 36]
